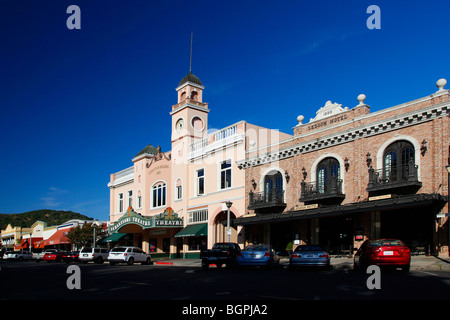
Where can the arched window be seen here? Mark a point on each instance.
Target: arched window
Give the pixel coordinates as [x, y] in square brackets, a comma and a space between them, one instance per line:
[159, 195]
[328, 174]
[273, 185]
[396, 160]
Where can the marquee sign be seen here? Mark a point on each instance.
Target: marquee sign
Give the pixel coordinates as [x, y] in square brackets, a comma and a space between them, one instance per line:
[167, 219]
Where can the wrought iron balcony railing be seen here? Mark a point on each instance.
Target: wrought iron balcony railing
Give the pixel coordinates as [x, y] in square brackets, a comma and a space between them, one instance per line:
[394, 177]
[267, 200]
[326, 190]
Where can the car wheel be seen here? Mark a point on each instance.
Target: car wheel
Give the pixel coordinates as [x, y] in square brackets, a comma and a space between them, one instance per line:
[112, 263]
[99, 260]
[406, 268]
[146, 261]
[205, 265]
[130, 261]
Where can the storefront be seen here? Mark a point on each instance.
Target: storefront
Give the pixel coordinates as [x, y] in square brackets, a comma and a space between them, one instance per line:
[154, 234]
[191, 240]
[341, 228]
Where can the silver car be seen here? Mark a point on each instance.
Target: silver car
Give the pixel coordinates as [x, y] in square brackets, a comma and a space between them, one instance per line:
[309, 255]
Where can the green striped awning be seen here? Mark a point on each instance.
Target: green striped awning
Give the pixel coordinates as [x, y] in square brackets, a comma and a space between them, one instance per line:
[193, 230]
[114, 237]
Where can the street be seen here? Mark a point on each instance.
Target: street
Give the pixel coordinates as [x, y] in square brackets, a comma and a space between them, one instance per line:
[48, 281]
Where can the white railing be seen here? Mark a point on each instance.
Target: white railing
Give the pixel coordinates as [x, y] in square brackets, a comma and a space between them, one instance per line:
[125, 172]
[214, 137]
[225, 133]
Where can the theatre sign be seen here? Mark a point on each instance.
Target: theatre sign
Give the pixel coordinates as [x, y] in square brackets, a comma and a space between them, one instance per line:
[166, 219]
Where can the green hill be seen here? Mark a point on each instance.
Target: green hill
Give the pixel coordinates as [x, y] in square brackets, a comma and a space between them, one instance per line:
[26, 219]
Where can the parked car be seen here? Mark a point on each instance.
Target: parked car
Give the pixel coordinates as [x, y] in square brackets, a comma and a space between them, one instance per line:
[128, 255]
[382, 252]
[98, 255]
[221, 253]
[52, 256]
[258, 255]
[19, 255]
[309, 255]
[72, 256]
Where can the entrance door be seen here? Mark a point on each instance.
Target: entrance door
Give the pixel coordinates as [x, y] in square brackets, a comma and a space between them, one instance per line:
[179, 247]
[336, 234]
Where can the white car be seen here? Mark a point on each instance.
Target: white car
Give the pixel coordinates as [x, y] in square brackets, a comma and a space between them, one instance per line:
[98, 255]
[128, 255]
[19, 255]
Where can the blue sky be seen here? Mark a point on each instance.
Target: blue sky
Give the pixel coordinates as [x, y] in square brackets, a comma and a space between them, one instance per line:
[77, 105]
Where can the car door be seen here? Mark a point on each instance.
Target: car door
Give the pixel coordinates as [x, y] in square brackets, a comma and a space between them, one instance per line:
[359, 253]
[137, 254]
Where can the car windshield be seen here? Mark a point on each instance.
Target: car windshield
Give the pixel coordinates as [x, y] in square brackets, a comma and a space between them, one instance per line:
[386, 242]
[86, 250]
[309, 248]
[223, 246]
[257, 248]
[118, 249]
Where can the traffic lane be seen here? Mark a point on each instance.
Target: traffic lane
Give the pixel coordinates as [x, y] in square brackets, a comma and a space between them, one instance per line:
[48, 281]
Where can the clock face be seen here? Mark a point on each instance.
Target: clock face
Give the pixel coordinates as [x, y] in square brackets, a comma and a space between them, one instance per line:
[180, 125]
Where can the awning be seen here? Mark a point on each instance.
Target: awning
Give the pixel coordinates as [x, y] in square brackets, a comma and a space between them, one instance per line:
[59, 237]
[194, 230]
[114, 237]
[396, 202]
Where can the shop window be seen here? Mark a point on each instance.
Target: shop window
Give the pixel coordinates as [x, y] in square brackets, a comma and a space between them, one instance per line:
[166, 245]
[152, 244]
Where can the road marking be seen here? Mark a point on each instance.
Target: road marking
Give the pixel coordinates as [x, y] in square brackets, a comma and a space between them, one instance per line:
[138, 283]
[433, 274]
[281, 298]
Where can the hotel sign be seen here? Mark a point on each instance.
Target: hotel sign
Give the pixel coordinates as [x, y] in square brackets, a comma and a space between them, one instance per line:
[166, 219]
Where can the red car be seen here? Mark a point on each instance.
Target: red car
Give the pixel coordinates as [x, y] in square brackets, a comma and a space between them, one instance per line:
[53, 255]
[383, 252]
[72, 256]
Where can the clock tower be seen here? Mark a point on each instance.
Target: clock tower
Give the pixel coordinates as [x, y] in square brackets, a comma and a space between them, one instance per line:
[190, 114]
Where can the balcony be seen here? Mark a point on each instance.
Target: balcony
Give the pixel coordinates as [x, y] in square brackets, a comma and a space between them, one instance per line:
[267, 201]
[329, 192]
[220, 139]
[397, 179]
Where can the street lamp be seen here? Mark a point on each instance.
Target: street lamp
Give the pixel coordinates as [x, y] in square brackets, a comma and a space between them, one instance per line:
[229, 204]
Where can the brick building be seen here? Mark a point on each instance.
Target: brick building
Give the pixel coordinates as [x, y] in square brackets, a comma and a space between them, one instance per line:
[348, 175]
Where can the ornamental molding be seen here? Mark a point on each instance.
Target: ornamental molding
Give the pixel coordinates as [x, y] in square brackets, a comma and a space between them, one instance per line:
[386, 125]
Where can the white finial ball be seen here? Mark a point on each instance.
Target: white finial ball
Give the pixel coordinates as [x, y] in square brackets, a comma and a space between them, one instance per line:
[300, 119]
[252, 143]
[361, 98]
[441, 83]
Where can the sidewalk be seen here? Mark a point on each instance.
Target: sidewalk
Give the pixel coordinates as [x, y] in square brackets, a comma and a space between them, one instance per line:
[422, 262]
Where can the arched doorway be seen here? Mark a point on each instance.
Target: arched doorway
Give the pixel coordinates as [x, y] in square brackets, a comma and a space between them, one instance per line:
[220, 227]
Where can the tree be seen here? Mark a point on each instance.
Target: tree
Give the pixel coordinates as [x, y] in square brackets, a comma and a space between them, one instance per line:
[83, 235]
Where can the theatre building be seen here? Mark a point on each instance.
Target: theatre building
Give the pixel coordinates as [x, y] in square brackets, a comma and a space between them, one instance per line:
[350, 174]
[173, 203]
